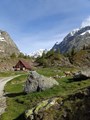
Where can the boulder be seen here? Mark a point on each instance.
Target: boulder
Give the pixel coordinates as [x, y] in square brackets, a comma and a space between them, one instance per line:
[82, 75]
[37, 111]
[37, 82]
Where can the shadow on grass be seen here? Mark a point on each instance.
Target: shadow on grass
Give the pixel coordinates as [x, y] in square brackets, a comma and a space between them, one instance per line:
[14, 94]
[77, 79]
[20, 117]
[70, 80]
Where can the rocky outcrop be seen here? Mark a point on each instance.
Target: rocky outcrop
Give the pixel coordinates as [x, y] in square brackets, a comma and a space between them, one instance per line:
[37, 82]
[7, 46]
[43, 106]
[82, 75]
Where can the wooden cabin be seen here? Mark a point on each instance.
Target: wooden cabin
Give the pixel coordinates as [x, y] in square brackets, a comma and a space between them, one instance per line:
[22, 65]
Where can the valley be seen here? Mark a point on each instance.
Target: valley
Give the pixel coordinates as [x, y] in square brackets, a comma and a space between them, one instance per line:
[45, 60]
[48, 84]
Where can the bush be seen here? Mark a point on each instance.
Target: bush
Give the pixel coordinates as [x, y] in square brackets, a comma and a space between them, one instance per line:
[13, 55]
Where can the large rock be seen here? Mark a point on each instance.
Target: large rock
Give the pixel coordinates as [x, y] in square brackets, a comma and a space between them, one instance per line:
[40, 108]
[82, 75]
[37, 82]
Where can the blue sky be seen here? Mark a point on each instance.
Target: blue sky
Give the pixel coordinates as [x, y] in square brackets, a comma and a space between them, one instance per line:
[39, 24]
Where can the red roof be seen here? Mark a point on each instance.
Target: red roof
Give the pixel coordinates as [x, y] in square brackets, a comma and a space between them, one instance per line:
[25, 64]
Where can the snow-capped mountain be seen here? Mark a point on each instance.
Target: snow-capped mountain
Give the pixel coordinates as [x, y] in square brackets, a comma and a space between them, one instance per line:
[75, 39]
[73, 32]
[38, 53]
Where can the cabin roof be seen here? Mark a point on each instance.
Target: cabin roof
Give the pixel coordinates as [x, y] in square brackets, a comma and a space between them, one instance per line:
[26, 64]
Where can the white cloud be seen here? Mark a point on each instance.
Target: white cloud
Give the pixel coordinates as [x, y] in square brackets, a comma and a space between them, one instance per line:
[86, 22]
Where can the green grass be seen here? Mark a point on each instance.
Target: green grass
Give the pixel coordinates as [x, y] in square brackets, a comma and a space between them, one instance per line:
[17, 102]
[11, 73]
[54, 71]
[16, 85]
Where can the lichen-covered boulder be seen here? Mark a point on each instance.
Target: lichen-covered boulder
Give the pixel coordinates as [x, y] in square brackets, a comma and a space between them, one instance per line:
[37, 82]
[31, 114]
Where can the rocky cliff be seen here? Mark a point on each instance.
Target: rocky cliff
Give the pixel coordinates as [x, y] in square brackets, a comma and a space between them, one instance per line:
[7, 46]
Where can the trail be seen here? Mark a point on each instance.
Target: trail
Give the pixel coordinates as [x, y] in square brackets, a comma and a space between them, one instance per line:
[3, 81]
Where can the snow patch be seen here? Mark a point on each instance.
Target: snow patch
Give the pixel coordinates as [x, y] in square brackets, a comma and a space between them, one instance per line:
[38, 53]
[2, 39]
[88, 31]
[74, 31]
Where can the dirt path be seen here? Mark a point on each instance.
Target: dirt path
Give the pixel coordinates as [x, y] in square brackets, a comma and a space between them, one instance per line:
[3, 81]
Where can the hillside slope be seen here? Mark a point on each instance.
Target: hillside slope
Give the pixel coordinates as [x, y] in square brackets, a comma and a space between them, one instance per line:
[53, 59]
[82, 58]
[7, 45]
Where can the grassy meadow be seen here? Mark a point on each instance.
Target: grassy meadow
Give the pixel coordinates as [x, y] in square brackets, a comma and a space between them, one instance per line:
[18, 102]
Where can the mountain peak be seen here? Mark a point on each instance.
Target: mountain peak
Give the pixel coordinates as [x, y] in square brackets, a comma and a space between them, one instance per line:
[74, 31]
[76, 38]
[7, 45]
[38, 53]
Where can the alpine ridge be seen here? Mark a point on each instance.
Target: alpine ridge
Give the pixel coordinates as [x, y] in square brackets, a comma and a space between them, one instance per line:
[76, 39]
